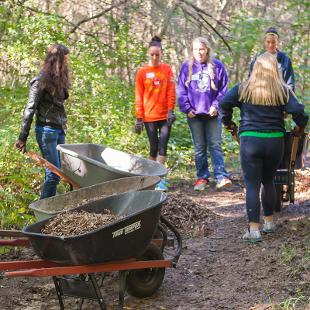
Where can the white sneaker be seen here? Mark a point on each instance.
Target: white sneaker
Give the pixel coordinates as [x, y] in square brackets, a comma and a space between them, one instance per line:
[269, 227]
[223, 183]
[252, 236]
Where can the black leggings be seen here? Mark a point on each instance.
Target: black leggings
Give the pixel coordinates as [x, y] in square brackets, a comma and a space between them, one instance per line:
[158, 133]
[260, 158]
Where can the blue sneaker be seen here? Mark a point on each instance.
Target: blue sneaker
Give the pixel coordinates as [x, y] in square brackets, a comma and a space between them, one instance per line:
[161, 186]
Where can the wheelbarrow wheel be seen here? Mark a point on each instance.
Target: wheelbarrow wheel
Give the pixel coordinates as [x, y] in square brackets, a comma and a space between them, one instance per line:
[145, 282]
[279, 198]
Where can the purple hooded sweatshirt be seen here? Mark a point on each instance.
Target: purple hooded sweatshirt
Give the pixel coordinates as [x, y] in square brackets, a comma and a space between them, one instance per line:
[198, 96]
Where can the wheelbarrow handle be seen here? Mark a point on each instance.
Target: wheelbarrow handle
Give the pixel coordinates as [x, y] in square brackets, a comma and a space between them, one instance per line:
[15, 242]
[294, 148]
[11, 233]
[43, 162]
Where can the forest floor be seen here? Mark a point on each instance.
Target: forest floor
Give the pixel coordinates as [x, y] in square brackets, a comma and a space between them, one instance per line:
[216, 270]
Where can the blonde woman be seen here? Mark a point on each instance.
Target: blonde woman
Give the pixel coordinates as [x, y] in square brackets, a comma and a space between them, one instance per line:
[262, 100]
[202, 84]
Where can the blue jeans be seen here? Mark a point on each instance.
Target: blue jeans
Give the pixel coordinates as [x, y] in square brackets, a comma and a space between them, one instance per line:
[48, 138]
[206, 133]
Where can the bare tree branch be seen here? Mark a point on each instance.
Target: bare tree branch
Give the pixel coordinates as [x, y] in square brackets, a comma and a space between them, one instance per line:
[223, 39]
[83, 21]
[198, 10]
[208, 23]
[167, 18]
[44, 13]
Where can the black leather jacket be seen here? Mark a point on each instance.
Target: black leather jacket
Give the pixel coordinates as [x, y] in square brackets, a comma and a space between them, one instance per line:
[49, 110]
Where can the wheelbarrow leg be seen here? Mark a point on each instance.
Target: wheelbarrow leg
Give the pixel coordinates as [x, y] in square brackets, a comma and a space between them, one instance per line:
[279, 197]
[122, 289]
[59, 293]
[98, 292]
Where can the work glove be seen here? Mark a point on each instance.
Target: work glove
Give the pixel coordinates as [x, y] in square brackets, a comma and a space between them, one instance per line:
[171, 117]
[21, 145]
[232, 127]
[138, 125]
[298, 131]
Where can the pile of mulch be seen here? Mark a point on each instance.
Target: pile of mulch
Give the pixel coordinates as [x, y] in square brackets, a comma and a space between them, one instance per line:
[72, 223]
[302, 180]
[186, 215]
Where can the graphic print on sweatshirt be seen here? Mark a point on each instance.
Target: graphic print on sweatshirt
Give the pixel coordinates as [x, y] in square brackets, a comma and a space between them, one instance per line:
[203, 80]
[154, 80]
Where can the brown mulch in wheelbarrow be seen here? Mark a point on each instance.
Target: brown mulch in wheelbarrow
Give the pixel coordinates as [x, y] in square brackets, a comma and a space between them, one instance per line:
[77, 222]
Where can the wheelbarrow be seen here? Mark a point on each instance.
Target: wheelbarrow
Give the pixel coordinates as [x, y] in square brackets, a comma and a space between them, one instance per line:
[89, 164]
[125, 245]
[48, 207]
[295, 150]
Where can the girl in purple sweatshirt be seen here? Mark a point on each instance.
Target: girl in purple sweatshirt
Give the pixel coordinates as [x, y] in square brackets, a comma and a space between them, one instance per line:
[202, 84]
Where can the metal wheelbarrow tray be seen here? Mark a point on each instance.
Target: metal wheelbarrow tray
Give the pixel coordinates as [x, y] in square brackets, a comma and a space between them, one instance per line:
[48, 207]
[89, 164]
[125, 238]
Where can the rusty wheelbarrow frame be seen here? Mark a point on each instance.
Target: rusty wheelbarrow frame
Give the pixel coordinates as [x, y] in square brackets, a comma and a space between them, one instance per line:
[140, 277]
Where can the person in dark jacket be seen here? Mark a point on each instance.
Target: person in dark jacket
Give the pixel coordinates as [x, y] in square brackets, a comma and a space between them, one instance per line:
[262, 100]
[47, 94]
[271, 42]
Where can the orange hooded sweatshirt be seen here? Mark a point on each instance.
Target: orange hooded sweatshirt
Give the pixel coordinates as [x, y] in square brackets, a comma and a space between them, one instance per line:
[155, 92]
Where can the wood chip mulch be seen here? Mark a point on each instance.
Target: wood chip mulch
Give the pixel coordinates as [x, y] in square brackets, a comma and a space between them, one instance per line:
[187, 216]
[72, 223]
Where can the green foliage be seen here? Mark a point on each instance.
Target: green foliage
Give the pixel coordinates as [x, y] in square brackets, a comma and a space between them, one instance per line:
[28, 36]
[101, 104]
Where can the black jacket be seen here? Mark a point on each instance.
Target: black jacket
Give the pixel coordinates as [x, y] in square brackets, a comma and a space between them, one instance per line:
[285, 66]
[49, 110]
[261, 118]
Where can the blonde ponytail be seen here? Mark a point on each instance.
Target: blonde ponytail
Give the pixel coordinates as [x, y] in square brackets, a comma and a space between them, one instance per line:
[190, 71]
[265, 85]
[210, 68]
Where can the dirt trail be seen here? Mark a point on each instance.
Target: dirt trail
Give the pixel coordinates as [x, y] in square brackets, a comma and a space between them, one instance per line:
[217, 271]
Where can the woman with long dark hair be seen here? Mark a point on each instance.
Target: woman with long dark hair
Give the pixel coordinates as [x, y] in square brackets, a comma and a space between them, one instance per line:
[262, 100]
[47, 94]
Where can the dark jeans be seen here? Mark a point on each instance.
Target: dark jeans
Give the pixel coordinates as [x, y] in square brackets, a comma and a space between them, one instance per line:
[48, 139]
[206, 133]
[158, 133]
[260, 158]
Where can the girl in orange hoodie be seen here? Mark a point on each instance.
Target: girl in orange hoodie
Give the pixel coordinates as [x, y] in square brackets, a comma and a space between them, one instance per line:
[154, 103]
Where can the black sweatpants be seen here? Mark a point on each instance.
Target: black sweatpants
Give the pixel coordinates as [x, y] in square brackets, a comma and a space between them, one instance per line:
[158, 133]
[260, 158]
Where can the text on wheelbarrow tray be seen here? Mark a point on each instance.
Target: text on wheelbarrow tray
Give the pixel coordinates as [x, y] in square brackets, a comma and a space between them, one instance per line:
[127, 229]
